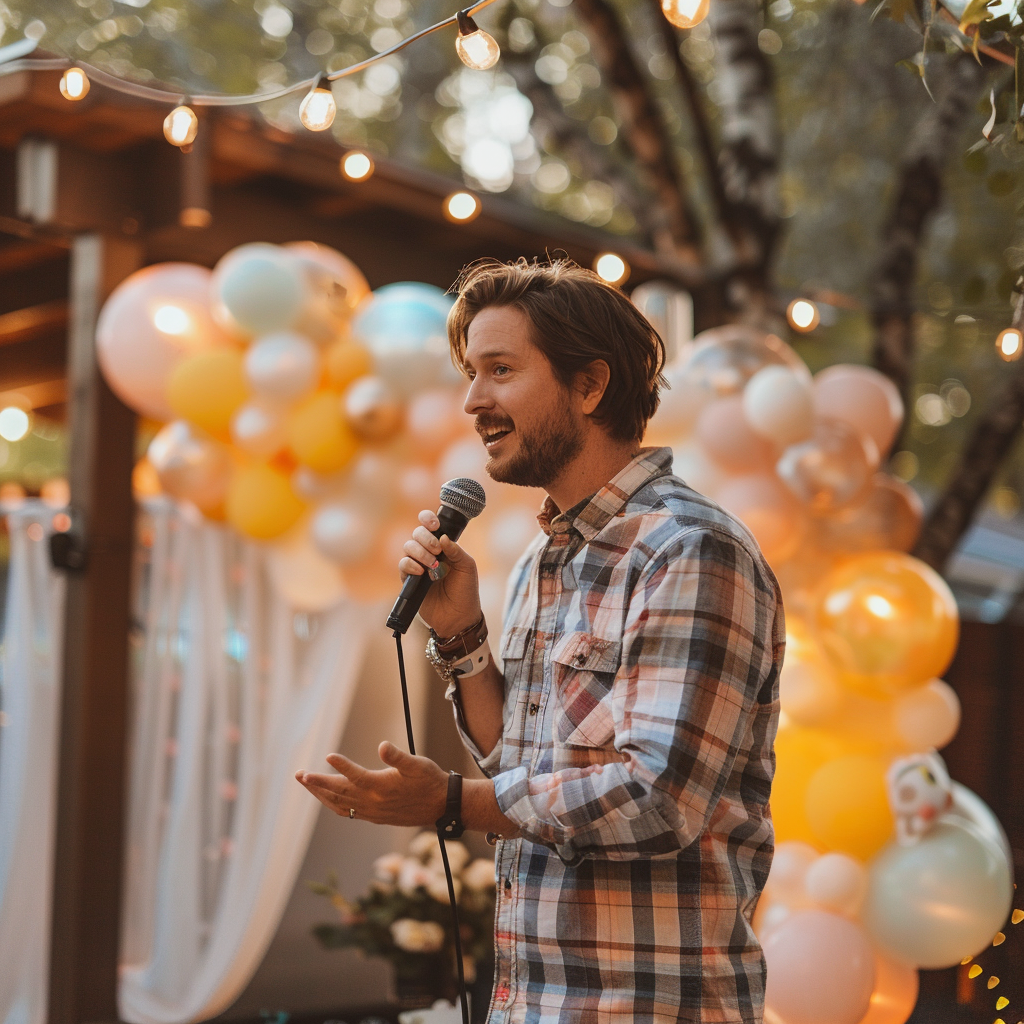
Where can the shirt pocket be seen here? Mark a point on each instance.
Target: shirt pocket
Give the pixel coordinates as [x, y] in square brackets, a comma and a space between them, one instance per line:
[583, 670]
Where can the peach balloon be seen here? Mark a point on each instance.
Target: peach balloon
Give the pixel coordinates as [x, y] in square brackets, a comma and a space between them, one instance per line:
[887, 621]
[190, 466]
[336, 288]
[809, 692]
[376, 577]
[723, 431]
[768, 510]
[838, 883]
[888, 517]
[895, 994]
[152, 321]
[928, 716]
[434, 419]
[863, 398]
[207, 389]
[696, 469]
[848, 806]
[301, 575]
[723, 359]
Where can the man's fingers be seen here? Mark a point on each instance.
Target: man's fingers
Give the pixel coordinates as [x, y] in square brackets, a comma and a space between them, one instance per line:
[395, 757]
[451, 550]
[429, 519]
[356, 772]
[422, 536]
[414, 549]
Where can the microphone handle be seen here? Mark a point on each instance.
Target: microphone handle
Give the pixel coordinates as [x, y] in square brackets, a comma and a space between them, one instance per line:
[452, 522]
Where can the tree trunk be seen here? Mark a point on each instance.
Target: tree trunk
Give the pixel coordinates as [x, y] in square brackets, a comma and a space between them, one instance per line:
[990, 442]
[642, 128]
[918, 195]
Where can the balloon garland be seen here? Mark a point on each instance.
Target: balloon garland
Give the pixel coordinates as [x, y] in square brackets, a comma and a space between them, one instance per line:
[883, 864]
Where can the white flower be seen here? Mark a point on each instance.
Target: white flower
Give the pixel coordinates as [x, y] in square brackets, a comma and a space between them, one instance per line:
[424, 846]
[412, 875]
[386, 868]
[417, 936]
[437, 886]
[458, 856]
[480, 874]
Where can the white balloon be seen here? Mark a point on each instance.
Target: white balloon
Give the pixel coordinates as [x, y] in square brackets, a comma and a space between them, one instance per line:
[342, 532]
[838, 883]
[786, 877]
[258, 430]
[282, 367]
[928, 716]
[418, 487]
[260, 287]
[373, 480]
[681, 403]
[302, 576]
[779, 404]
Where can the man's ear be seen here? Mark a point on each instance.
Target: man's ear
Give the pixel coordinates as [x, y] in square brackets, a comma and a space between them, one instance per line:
[591, 383]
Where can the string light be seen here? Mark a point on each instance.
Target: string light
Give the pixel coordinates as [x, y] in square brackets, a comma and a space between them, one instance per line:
[685, 13]
[181, 126]
[476, 48]
[611, 267]
[462, 207]
[1010, 345]
[74, 84]
[14, 423]
[803, 315]
[356, 165]
[317, 110]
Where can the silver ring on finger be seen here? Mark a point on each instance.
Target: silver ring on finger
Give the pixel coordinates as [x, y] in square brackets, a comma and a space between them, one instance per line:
[351, 812]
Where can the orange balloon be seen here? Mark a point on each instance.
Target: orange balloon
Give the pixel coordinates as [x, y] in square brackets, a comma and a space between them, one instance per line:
[261, 503]
[207, 389]
[318, 435]
[768, 509]
[799, 753]
[725, 434]
[848, 806]
[887, 621]
[346, 361]
[895, 994]
[888, 518]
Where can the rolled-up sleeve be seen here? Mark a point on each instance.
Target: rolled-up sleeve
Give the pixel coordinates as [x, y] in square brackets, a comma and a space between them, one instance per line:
[699, 653]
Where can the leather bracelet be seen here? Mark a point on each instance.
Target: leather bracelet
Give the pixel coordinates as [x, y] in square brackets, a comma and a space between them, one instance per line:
[463, 644]
[449, 825]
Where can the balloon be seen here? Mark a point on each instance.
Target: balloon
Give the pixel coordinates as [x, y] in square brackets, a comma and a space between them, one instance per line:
[405, 327]
[768, 510]
[145, 482]
[434, 420]
[821, 970]
[725, 435]
[345, 361]
[312, 486]
[282, 367]
[799, 753]
[723, 359]
[692, 465]
[152, 320]
[778, 404]
[343, 532]
[258, 430]
[895, 994]
[863, 398]
[837, 883]
[372, 409]
[418, 489]
[373, 480]
[509, 535]
[887, 621]
[335, 285]
[970, 808]
[848, 805]
[376, 577]
[259, 287]
[208, 388]
[788, 872]
[830, 469]
[302, 576]
[942, 899]
[318, 435]
[928, 716]
[464, 458]
[808, 689]
[887, 517]
[681, 403]
[190, 466]
[261, 503]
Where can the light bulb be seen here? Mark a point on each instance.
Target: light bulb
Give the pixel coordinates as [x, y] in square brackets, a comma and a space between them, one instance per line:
[461, 207]
[611, 268]
[477, 50]
[803, 315]
[685, 13]
[181, 126]
[356, 165]
[317, 110]
[14, 423]
[1010, 345]
[74, 84]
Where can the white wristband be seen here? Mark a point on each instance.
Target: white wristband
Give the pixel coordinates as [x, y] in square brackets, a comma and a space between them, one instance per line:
[475, 663]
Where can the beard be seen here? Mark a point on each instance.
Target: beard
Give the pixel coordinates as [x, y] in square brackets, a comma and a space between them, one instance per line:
[542, 455]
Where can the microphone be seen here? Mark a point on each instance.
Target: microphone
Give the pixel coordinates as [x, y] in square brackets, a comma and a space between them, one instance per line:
[462, 499]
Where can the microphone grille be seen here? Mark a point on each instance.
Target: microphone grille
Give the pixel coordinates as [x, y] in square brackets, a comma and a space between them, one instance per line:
[464, 495]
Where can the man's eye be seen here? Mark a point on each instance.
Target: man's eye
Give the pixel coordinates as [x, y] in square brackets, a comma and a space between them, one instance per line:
[501, 370]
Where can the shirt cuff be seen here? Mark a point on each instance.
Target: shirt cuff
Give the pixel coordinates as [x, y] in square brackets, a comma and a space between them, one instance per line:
[488, 765]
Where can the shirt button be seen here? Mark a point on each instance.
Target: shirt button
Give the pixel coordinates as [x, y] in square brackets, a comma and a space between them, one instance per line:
[534, 708]
[580, 659]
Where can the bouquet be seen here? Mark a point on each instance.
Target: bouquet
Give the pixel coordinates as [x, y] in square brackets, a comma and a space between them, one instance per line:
[406, 917]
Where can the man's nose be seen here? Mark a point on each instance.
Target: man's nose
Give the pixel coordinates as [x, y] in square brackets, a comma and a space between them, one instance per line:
[477, 398]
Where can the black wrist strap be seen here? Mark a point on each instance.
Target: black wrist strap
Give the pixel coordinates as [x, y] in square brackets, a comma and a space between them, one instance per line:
[449, 825]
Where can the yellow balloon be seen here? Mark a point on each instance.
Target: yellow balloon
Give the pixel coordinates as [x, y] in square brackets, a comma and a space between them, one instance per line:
[848, 806]
[318, 435]
[887, 621]
[261, 503]
[799, 753]
[346, 361]
[208, 388]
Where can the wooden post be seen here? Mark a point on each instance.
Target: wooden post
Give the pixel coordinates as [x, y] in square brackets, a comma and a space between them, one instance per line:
[91, 783]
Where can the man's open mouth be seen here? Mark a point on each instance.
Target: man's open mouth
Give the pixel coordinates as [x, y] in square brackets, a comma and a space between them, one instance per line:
[492, 435]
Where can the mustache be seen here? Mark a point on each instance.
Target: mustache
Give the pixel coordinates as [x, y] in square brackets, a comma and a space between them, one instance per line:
[483, 422]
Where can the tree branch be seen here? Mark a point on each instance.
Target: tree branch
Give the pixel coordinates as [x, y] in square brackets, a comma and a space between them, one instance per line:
[918, 196]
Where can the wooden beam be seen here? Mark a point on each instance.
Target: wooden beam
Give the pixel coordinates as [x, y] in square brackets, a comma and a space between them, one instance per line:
[29, 323]
[89, 833]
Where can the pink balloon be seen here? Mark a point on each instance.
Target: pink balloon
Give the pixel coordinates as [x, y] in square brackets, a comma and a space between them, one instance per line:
[889, 516]
[863, 398]
[895, 994]
[434, 419]
[728, 438]
[830, 469]
[821, 970]
[768, 509]
[152, 321]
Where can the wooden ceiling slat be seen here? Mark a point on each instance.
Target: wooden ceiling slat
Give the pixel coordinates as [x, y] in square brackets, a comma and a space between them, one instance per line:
[26, 324]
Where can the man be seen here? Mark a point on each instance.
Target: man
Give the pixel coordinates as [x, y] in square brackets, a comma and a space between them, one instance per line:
[627, 738]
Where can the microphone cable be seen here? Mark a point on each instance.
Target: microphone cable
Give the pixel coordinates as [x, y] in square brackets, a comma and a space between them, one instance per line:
[463, 997]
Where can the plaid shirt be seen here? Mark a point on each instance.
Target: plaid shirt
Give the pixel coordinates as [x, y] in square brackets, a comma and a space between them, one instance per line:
[643, 640]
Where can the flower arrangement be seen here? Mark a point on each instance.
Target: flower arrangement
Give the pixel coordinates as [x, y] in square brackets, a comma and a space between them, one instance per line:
[406, 917]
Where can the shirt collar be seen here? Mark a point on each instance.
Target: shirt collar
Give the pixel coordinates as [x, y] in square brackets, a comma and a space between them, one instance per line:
[592, 514]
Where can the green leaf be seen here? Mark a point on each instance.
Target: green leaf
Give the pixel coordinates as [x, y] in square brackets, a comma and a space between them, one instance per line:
[975, 13]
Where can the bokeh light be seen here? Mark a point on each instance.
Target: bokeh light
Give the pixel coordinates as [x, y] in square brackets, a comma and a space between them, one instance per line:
[356, 165]
[803, 315]
[74, 84]
[461, 207]
[1010, 345]
[14, 423]
[181, 126]
[611, 267]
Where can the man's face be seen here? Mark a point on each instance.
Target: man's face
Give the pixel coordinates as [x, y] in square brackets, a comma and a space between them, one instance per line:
[530, 424]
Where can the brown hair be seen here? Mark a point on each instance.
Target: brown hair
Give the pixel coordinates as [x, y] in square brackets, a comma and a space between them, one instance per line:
[576, 318]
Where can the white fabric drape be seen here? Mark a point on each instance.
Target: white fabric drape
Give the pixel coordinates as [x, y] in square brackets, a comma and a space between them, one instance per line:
[30, 702]
[233, 691]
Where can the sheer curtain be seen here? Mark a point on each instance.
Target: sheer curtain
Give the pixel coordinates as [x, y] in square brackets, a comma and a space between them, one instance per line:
[233, 690]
